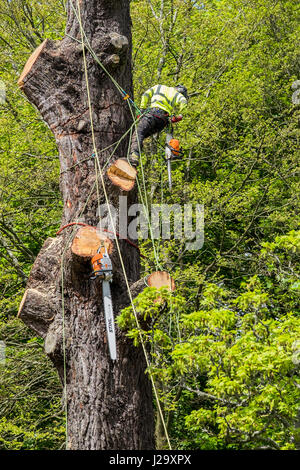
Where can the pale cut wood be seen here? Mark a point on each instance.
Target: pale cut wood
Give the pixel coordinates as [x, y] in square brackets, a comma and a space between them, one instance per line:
[36, 310]
[30, 62]
[161, 279]
[51, 341]
[87, 241]
[53, 344]
[122, 174]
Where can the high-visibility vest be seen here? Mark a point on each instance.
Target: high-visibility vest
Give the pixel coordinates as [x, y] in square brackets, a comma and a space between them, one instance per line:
[164, 97]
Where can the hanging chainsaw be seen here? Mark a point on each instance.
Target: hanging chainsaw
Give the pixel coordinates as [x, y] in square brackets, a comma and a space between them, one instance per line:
[172, 151]
[102, 268]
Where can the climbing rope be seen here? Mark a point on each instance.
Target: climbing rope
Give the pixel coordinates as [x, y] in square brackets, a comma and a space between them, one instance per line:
[85, 42]
[130, 103]
[117, 143]
[78, 16]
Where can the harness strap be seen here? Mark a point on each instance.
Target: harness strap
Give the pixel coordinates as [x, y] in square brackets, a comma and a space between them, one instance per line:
[164, 115]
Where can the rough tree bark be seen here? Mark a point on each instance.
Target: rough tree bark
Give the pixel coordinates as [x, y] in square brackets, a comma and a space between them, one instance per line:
[109, 405]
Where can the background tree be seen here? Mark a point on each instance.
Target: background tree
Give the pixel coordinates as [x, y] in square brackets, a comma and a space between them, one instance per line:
[241, 137]
[31, 415]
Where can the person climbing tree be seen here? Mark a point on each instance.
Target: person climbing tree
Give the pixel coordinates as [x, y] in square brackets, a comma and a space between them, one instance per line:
[157, 105]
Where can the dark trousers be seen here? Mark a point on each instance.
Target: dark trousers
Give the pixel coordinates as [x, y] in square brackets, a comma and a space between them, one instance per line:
[155, 120]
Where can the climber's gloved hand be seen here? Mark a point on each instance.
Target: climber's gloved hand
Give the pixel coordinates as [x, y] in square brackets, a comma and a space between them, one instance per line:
[176, 118]
[139, 115]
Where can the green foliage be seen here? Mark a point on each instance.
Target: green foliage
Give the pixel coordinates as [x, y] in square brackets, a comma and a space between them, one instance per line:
[31, 416]
[229, 379]
[251, 375]
[240, 365]
[30, 393]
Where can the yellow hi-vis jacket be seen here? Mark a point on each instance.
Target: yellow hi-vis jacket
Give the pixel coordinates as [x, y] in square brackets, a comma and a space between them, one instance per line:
[164, 97]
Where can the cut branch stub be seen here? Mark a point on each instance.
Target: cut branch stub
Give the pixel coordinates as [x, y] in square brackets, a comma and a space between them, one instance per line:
[118, 41]
[30, 63]
[160, 279]
[110, 44]
[122, 174]
[87, 241]
[37, 311]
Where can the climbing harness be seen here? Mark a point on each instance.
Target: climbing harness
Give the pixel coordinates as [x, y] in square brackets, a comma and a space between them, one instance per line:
[102, 269]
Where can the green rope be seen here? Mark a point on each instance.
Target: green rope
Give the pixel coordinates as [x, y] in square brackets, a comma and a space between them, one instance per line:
[145, 208]
[117, 143]
[90, 49]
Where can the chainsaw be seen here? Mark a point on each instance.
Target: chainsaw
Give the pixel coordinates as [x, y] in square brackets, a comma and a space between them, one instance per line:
[173, 152]
[102, 268]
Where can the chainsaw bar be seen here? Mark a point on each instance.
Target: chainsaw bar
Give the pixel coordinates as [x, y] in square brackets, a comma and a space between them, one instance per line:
[109, 320]
[102, 268]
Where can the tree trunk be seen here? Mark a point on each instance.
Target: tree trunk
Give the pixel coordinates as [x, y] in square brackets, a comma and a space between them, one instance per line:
[109, 404]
